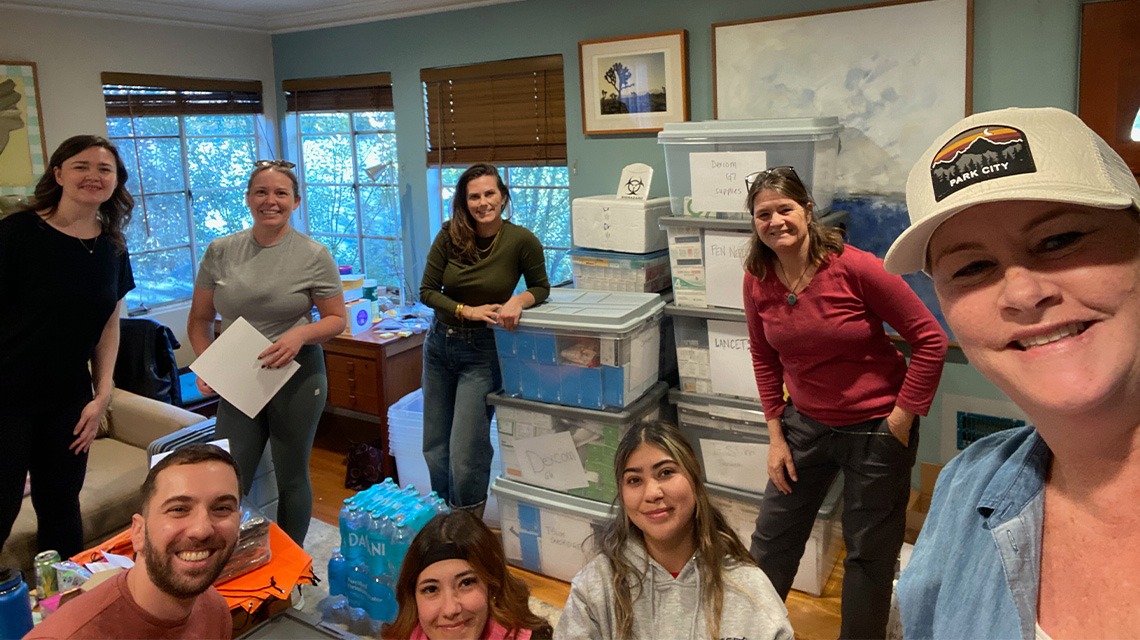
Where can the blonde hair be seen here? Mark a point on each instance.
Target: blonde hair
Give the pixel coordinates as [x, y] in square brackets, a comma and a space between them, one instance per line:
[715, 539]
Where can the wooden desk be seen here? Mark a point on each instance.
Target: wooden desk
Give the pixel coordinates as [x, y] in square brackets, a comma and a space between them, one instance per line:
[367, 374]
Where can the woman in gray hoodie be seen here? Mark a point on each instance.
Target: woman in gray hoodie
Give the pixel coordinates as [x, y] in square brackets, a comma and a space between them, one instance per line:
[669, 566]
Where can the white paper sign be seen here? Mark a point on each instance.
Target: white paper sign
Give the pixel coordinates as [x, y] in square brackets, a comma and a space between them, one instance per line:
[730, 361]
[560, 545]
[740, 465]
[551, 461]
[718, 178]
[231, 367]
[725, 252]
[636, 179]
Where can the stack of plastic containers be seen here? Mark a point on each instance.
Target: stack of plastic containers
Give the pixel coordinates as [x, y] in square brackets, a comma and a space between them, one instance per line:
[406, 444]
[577, 373]
[619, 245]
[718, 404]
[376, 527]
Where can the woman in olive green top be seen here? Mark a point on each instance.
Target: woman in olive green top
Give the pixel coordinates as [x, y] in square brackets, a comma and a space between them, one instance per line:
[472, 269]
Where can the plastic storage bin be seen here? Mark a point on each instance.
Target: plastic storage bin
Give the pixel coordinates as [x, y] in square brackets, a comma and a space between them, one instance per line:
[730, 437]
[822, 549]
[612, 271]
[547, 532]
[593, 435]
[811, 145]
[592, 349]
[406, 444]
[694, 360]
[610, 223]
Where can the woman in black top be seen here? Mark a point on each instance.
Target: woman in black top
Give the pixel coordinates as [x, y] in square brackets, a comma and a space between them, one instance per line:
[64, 270]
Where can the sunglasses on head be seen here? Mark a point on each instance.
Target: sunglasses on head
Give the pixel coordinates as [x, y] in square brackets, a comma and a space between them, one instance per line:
[284, 164]
[783, 170]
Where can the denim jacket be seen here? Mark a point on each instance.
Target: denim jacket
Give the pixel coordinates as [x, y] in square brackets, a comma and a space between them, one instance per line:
[977, 563]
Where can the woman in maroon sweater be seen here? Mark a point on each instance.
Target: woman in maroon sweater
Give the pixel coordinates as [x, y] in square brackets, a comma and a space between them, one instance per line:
[815, 312]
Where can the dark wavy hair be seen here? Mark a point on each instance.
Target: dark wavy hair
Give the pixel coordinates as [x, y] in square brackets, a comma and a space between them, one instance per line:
[461, 227]
[717, 544]
[507, 596]
[114, 214]
[822, 241]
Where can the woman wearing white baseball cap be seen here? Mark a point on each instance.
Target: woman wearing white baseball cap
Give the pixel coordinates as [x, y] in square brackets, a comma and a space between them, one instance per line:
[1029, 225]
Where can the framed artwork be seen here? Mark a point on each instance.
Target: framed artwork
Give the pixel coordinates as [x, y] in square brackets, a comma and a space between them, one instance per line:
[22, 150]
[634, 84]
[896, 73]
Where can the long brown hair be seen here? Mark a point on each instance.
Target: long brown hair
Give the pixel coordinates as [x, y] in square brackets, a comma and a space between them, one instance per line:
[822, 241]
[114, 214]
[715, 539]
[461, 227]
[507, 596]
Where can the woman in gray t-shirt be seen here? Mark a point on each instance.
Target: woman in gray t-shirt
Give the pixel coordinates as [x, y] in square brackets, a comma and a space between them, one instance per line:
[271, 275]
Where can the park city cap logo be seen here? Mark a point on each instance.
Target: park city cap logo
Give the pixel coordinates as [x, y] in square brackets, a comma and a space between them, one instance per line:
[977, 155]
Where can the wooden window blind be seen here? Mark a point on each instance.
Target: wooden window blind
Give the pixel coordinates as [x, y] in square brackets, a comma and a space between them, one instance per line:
[368, 92]
[506, 112]
[137, 94]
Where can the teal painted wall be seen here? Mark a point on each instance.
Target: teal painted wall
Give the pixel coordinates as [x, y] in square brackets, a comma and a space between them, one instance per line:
[1025, 54]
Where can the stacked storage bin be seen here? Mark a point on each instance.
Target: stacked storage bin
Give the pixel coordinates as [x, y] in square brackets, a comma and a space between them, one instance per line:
[717, 402]
[619, 245]
[577, 373]
[406, 444]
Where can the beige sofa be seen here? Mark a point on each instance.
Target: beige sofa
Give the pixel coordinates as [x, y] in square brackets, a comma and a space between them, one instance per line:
[116, 469]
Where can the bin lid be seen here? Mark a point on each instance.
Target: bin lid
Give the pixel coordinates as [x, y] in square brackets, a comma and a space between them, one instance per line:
[613, 200]
[826, 510]
[563, 503]
[774, 128]
[580, 252]
[630, 414]
[707, 313]
[613, 311]
[719, 406]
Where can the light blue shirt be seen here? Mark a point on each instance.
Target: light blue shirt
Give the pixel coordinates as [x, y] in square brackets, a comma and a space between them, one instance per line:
[977, 563]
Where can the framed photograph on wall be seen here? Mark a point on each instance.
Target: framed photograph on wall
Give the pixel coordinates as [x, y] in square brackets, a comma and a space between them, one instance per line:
[22, 148]
[634, 84]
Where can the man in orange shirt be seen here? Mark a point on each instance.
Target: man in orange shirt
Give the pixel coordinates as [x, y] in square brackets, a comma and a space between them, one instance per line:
[183, 535]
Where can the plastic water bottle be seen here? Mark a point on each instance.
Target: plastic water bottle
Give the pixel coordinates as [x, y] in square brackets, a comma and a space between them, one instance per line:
[338, 573]
[15, 609]
[356, 587]
[401, 540]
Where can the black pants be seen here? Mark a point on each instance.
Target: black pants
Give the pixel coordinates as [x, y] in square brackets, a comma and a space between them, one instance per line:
[37, 433]
[876, 485]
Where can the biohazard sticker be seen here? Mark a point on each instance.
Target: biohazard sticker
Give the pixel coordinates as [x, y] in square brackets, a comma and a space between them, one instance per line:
[978, 155]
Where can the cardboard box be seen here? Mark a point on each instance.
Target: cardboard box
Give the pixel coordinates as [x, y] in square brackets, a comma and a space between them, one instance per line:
[919, 503]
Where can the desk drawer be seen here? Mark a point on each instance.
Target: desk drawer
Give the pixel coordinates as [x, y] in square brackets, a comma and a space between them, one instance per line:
[354, 383]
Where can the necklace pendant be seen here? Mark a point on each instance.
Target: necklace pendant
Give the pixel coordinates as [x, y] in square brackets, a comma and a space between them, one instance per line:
[792, 299]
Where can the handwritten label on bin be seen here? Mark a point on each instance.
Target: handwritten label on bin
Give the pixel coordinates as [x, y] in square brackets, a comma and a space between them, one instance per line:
[551, 461]
[725, 252]
[718, 178]
[740, 465]
[730, 360]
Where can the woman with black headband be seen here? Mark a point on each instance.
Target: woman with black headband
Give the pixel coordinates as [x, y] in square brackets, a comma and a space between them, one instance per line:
[815, 311]
[272, 276]
[454, 584]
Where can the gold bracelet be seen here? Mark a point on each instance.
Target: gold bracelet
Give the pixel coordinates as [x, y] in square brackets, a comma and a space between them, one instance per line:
[459, 311]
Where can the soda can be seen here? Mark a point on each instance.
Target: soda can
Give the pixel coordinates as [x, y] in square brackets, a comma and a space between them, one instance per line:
[47, 584]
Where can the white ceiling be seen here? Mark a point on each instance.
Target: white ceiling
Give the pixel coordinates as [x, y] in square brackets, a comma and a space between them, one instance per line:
[273, 16]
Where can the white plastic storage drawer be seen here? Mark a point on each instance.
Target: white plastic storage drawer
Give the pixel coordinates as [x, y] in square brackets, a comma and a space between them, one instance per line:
[582, 348]
[713, 353]
[613, 271]
[610, 223]
[545, 531]
[810, 145]
[730, 438]
[567, 449]
[822, 551]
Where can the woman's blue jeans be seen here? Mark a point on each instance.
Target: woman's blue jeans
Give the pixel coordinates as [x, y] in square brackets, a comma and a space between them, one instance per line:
[460, 368]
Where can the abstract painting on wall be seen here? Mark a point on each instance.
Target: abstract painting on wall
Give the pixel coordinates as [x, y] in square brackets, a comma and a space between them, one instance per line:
[22, 149]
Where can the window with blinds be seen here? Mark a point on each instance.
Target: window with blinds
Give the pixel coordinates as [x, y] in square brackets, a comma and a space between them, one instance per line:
[342, 130]
[509, 112]
[189, 145]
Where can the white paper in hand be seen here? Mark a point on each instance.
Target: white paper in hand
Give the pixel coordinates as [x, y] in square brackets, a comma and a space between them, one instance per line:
[231, 367]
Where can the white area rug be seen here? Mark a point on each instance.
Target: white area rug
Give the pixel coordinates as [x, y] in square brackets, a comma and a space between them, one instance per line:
[323, 538]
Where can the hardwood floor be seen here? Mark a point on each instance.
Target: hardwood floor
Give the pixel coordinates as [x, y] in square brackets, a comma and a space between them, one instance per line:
[812, 618]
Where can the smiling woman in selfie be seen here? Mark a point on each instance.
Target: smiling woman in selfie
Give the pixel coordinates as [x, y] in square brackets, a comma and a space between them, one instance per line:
[64, 270]
[272, 276]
